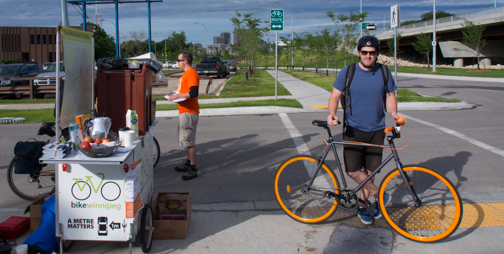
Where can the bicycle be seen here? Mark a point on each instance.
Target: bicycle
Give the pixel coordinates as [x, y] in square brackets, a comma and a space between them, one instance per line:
[424, 207]
[33, 186]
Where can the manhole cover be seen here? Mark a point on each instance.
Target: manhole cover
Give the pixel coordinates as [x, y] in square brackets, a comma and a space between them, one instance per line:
[11, 119]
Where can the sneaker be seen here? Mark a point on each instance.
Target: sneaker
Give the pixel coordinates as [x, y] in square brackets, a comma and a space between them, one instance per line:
[182, 168]
[377, 212]
[190, 175]
[364, 216]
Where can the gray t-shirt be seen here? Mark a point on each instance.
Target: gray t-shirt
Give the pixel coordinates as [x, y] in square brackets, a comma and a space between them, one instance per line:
[366, 97]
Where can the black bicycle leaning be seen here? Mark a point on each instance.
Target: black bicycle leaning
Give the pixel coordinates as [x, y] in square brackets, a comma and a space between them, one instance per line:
[31, 186]
[424, 205]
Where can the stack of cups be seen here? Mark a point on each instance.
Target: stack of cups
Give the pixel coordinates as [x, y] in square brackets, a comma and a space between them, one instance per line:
[22, 249]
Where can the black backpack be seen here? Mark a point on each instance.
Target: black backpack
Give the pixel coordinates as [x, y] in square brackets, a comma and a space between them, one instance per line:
[345, 95]
[27, 157]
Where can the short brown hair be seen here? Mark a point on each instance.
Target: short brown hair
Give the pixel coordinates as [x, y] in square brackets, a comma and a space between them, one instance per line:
[187, 56]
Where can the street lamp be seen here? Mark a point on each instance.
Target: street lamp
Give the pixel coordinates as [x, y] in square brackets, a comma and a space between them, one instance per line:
[206, 36]
[292, 38]
[118, 45]
[166, 38]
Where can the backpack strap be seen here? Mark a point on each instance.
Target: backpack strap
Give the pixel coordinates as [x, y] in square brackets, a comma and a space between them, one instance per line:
[345, 96]
[385, 76]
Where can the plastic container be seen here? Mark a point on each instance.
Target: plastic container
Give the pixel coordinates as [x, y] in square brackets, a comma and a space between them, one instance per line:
[15, 226]
[132, 121]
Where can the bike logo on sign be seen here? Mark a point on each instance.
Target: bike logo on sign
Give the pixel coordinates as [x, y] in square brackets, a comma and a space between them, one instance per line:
[81, 190]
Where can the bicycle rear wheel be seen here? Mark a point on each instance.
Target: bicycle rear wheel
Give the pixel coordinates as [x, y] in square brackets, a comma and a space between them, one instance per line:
[439, 213]
[291, 181]
[30, 186]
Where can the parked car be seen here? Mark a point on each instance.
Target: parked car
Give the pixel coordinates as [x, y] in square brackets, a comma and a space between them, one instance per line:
[45, 65]
[50, 72]
[232, 65]
[174, 65]
[167, 65]
[227, 67]
[18, 70]
[211, 66]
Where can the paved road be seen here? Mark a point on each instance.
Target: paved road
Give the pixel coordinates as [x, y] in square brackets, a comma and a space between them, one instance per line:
[234, 207]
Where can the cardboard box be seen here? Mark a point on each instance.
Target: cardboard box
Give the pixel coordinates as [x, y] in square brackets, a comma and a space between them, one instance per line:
[35, 209]
[175, 206]
[14, 226]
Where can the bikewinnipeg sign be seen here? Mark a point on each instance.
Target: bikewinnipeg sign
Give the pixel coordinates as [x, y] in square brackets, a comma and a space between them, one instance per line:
[277, 19]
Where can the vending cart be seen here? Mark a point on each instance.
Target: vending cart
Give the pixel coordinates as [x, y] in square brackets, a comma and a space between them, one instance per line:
[107, 198]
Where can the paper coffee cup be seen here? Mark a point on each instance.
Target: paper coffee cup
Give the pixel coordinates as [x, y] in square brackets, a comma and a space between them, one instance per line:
[128, 137]
[22, 249]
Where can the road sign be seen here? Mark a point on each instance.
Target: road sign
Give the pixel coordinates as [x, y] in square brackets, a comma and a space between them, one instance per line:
[277, 18]
[364, 24]
[368, 26]
[394, 16]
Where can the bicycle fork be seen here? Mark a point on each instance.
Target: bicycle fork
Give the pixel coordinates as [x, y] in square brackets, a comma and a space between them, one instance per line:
[405, 177]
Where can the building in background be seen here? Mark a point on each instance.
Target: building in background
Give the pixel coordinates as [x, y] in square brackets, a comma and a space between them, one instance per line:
[236, 36]
[30, 44]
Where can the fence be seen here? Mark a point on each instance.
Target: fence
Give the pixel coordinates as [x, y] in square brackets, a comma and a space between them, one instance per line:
[30, 89]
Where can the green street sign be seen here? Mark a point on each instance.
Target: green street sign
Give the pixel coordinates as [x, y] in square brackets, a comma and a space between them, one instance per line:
[277, 18]
[364, 24]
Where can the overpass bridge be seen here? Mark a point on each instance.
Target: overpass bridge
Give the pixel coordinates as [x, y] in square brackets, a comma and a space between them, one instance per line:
[449, 29]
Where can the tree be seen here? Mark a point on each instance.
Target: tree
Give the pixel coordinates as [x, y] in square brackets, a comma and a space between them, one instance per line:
[329, 44]
[428, 16]
[300, 40]
[315, 45]
[350, 24]
[250, 35]
[472, 37]
[424, 45]
[137, 46]
[104, 44]
[439, 14]
[390, 44]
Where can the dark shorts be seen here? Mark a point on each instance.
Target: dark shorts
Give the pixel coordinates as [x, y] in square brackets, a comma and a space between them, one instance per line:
[358, 157]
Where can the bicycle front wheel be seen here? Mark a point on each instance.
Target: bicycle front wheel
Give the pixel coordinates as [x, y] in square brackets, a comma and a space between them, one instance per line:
[292, 194]
[436, 217]
[31, 186]
[157, 153]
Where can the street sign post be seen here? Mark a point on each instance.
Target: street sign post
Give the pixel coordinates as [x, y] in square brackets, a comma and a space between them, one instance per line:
[277, 18]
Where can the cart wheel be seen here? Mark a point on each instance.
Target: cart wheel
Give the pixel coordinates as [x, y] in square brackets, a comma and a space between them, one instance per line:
[66, 245]
[146, 228]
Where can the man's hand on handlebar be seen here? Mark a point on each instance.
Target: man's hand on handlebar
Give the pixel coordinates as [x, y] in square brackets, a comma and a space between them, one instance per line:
[332, 120]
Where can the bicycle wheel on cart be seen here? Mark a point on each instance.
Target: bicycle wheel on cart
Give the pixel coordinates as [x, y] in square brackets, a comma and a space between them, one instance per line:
[157, 153]
[146, 228]
[439, 213]
[31, 186]
[301, 204]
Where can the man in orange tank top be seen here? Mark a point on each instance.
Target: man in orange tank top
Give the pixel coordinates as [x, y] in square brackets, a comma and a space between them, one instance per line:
[187, 99]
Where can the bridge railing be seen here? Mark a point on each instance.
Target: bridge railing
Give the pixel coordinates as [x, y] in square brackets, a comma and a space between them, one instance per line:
[470, 15]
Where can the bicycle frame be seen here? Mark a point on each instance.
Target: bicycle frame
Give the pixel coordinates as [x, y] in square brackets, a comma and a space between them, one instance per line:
[331, 145]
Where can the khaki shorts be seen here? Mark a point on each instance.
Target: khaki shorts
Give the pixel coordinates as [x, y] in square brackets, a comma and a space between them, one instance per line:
[187, 124]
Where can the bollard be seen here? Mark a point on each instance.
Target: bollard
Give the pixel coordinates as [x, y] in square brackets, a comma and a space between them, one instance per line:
[327, 72]
[246, 75]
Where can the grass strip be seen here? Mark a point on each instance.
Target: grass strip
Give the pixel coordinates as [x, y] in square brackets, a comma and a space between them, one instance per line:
[326, 82]
[26, 101]
[280, 103]
[31, 115]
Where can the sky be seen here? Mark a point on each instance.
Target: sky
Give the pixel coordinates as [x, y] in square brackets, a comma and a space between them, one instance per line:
[169, 16]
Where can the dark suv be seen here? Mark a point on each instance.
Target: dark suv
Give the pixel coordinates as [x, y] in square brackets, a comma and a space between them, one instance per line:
[18, 70]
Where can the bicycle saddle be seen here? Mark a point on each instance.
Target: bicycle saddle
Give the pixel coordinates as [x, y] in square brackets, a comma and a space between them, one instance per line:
[319, 123]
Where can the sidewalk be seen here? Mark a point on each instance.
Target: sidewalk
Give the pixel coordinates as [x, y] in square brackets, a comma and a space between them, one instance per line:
[311, 97]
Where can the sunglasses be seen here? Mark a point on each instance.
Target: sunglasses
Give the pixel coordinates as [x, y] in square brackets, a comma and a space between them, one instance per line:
[180, 60]
[368, 52]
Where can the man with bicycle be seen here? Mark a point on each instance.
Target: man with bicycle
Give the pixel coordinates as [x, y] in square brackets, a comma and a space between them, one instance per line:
[366, 94]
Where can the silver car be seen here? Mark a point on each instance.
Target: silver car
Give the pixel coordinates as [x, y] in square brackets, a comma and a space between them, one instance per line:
[50, 72]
